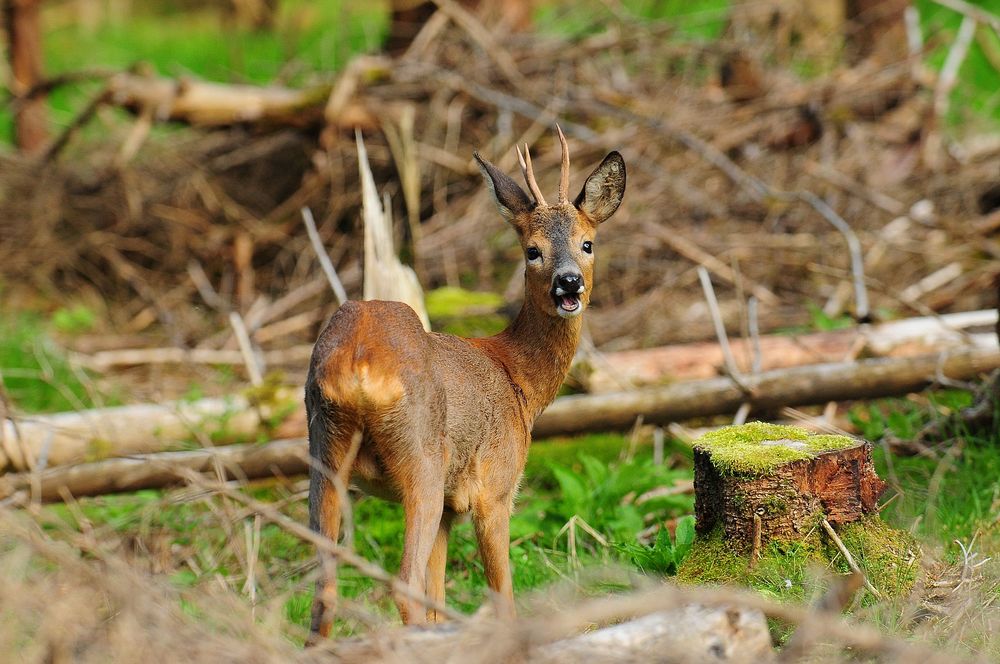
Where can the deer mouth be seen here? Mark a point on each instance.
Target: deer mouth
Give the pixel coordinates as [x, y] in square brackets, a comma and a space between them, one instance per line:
[567, 304]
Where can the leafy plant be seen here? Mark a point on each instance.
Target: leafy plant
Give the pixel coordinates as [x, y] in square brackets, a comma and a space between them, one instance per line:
[666, 553]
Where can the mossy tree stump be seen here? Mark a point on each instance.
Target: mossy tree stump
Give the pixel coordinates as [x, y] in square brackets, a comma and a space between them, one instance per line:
[764, 481]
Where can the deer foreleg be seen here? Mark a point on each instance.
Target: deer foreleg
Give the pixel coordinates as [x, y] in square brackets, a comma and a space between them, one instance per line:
[492, 521]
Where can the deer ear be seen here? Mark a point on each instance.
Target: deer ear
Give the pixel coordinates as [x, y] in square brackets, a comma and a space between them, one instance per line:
[510, 198]
[603, 191]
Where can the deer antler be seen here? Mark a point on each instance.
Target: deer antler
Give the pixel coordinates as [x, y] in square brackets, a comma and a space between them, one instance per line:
[529, 174]
[564, 172]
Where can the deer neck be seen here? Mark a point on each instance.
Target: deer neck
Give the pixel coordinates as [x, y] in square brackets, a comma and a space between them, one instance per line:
[537, 350]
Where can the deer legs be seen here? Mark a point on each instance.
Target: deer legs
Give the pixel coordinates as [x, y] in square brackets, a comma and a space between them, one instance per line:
[324, 517]
[436, 567]
[423, 521]
[492, 521]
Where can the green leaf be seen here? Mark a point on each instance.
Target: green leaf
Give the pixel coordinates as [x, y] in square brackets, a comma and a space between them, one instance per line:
[684, 537]
[574, 493]
[597, 471]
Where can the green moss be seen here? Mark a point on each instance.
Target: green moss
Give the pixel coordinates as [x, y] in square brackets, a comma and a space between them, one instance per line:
[463, 312]
[713, 560]
[758, 447]
[888, 557]
[449, 301]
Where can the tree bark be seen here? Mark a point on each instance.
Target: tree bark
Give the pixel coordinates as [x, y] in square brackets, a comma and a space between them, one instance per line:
[786, 501]
[24, 42]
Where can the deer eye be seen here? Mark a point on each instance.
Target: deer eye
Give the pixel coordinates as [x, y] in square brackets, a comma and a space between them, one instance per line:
[533, 253]
[588, 247]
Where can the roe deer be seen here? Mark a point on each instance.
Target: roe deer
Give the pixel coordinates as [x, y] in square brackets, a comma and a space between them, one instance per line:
[442, 423]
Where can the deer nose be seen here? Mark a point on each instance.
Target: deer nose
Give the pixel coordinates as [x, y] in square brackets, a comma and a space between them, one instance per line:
[569, 283]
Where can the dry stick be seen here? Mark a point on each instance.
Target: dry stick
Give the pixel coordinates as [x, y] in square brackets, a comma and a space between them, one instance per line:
[246, 348]
[136, 137]
[204, 286]
[754, 325]
[322, 543]
[324, 259]
[932, 281]
[971, 11]
[849, 558]
[758, 527]
[720, 330]
[949, 71]
[79, 121]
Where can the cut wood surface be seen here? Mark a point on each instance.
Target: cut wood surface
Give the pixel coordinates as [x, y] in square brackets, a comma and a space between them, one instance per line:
[612, 372]
[817, 384]
[154, 471]
[63, 438]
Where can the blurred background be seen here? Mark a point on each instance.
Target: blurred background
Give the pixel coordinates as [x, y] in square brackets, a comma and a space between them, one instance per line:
[155, 157]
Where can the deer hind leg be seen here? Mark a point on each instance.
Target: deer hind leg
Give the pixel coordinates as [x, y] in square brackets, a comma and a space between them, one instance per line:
[333, 445]
[423, 506]
[436, 567]
[324, 518]
[492, 521]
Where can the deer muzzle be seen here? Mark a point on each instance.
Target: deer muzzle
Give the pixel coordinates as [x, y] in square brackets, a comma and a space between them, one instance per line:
[566, 291]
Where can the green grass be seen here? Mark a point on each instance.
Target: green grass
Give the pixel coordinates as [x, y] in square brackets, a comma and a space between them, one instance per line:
[977, 93]
[588, 479]
[36, 376]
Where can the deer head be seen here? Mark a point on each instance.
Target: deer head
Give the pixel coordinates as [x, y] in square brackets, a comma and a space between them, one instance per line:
[558, 240]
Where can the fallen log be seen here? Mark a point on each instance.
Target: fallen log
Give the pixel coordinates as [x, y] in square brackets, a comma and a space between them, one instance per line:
[208, 104]
[612, 372]
[797, 386]
[691, 633]
[110, 359]
[41, 441]
[155, 471]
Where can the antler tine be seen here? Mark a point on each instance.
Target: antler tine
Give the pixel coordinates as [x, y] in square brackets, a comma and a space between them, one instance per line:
[529, 174]
[564, 172]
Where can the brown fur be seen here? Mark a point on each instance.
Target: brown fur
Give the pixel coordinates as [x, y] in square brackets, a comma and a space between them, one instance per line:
[446, 421]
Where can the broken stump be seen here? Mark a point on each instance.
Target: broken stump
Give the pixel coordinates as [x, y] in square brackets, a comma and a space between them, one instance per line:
[771, 501]
[763, 481]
